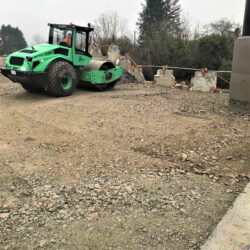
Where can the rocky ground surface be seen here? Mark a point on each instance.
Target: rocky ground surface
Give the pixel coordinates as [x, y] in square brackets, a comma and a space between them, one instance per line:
[2, 61]
[140, 167]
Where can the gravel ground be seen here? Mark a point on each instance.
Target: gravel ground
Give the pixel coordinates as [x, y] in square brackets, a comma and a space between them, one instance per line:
[140, 167]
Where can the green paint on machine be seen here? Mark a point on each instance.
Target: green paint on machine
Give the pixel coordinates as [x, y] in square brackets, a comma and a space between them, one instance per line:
[67, 81]
[101, 76]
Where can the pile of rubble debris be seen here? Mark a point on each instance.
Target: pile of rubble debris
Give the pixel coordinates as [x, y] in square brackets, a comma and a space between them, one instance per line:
[203, 80]
[132, 72]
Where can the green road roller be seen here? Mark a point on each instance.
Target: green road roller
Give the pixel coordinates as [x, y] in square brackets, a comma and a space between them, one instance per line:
[62, 64]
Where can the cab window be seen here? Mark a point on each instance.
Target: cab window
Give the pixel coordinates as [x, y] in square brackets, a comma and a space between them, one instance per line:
[60, 36]
[80, 43]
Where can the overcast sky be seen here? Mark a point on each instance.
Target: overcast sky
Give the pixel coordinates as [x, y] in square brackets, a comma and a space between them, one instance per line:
[32, 16]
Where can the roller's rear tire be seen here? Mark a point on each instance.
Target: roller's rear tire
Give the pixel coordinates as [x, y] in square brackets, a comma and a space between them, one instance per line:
[62, 79]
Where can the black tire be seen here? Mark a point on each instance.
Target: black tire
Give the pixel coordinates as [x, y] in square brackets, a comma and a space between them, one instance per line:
[32, 88]
[106, 87]
[99, 87]
[62, 79]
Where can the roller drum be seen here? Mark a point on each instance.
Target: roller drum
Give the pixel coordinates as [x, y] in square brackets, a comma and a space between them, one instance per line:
[99, 65]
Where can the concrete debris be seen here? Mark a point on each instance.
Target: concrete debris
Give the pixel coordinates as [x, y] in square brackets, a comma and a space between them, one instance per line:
[132, 68]
[132, 72]
[114, 54]
[204, 81]
[165, 77]
[95, 51]
[137, 73]
[182, 86]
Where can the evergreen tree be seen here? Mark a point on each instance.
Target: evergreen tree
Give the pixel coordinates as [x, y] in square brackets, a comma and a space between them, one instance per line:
[159, 25]
[172, 11]
[13, 39]
[159, 16]
[151, 15]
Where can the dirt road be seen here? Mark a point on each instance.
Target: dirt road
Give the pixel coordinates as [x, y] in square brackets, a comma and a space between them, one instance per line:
[140, 167]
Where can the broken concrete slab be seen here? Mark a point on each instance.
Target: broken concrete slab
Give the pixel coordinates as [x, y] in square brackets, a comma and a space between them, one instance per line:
[132, 71]
[125, 62]
[165, 77]
[114, 54]
[96, 53]
[132, 68]
[233, 232]
[137, 73]
[204, 81]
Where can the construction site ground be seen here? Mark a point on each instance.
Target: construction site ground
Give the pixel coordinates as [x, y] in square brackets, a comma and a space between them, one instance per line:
[139, 167]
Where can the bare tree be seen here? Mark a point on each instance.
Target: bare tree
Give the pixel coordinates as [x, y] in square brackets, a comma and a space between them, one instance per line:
[197, 31]
[223, 27]
[185, 27]
[109, 25]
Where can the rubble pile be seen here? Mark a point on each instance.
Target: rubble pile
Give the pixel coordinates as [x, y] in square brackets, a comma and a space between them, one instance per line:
[204, 81]
[128, 78]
